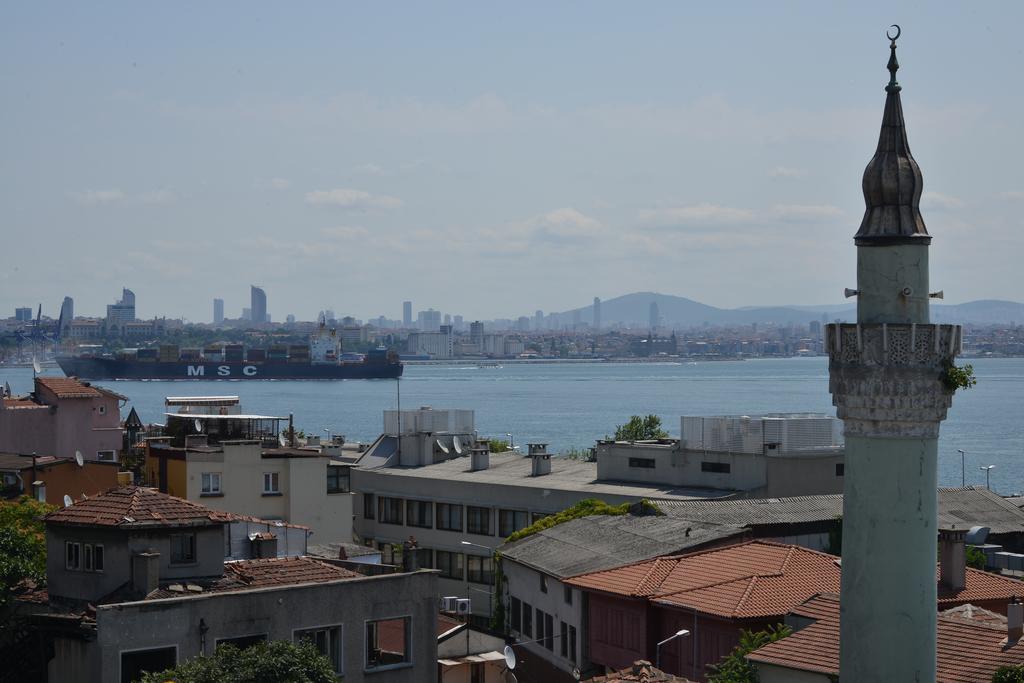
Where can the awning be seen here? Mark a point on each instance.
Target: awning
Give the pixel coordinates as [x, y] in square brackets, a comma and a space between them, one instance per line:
[481, 658]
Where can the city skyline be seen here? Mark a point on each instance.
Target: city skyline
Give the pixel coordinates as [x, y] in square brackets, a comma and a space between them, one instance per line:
[381, 167]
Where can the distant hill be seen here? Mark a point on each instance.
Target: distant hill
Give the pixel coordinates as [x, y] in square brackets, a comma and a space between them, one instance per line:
[680, 312]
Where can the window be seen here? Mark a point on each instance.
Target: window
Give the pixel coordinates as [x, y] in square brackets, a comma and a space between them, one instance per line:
[327, 640]
[338, 479]
[419, 513]
[102, 409]
[387, 642]
[369, 506]
[389, 510]
[527, 620]
[138, 662]
[91, 557]
[243, 642]
[72, 555]
[543, 583]
[515, 614]
[511, 521]
[97, 558]
[271, 483]
[106, 456]
[564, 638]
[540, 626]
[719, 467]
[480, 569]
[477, 673]
[549, 632]
[450, 565]
[537, 516]
[211, 484]
[424, 558]
[572, 644]
[840, 469]
[647, 463]
[478, 520]
[567, 591]
[183, 548]
[449, 517]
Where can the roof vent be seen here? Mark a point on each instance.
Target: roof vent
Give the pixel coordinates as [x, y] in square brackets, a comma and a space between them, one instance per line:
[540, 465]
[480, 458]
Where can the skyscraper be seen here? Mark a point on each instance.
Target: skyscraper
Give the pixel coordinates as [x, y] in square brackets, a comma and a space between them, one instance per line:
[67, 310]
[886, 375]
[123, 311]
[597, 313]
[538, 320]
[476, 333]
[258, 305]
[406, 314]
[218, 311]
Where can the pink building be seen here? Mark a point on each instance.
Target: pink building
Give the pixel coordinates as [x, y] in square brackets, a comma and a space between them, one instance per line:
[61, 416]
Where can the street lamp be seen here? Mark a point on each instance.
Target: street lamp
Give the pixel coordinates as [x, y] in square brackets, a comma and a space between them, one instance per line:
[490, 584]
[657, 649]
[328, 430]
[511, 441]
[987, 469]
[963, 467]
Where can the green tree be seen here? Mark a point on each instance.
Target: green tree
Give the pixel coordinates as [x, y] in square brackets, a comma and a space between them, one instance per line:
[22, 543]
[276, 662]
[734, 667]
[497, 445]
[975, 558]
[640, 429]
[1011, 673]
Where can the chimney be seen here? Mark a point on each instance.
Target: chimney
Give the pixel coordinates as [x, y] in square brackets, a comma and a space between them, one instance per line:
[1014, 620]
[264, 545]
[541, 464]
[537, 449]
[145, 572]
[410, 559]
[480, 457]
[952, 559]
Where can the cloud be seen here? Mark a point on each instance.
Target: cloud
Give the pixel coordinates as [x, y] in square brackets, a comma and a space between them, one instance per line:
[941, 202]
[95, 197]
[786, 172]
[565, 224]
[346, 232]
[273, 184]
[1015, 195]
[117, 197]
[695, 215]
[370, 169]
[352, 199]
[805, 212]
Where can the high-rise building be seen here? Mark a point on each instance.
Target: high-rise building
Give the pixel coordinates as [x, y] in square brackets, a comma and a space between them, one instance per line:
[458, 323]
[523, 324]
[67, 311]
[406, 314]
[653, 316]
[329, 315]
[429, 320]
[886, 375]
[23, 314]
[218, 311]
[258, 305]
[123, 311]
[476, 333]
[597, 313]
[247, 313]
[538, 320]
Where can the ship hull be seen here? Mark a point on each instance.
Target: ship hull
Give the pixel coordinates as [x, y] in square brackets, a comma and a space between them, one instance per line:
[113, 368]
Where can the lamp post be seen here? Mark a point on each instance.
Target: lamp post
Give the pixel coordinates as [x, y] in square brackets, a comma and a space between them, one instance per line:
[987, 469]
[963, 467]
[328, 430]
[511, 441]
[657, 648]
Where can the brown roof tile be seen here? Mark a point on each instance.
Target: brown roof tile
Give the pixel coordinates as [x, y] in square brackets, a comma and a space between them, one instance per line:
[966, 653]
[264, 573]
[68, 387]
[979, 587]
[641, 672]
[137, 507]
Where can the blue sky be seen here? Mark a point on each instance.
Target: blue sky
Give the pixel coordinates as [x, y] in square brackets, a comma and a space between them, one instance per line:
[489, 160]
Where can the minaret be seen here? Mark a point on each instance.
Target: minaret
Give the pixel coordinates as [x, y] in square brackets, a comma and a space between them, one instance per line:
[886, 378]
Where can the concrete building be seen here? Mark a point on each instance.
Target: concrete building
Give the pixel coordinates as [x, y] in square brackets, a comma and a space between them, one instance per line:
[257, 305]
[49, 479]
[62, 416]
[23, 314]
[407, 314]
[466, 655]
[67, 312]
[788, 454]
[218, 311]
[653, 316]
[476, 334]
[153, 569]
[886, 378]
[434, 344]
[121, 312]
[429, 320]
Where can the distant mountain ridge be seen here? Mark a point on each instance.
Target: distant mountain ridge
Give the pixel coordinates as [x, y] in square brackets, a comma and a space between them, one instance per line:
[680, 312]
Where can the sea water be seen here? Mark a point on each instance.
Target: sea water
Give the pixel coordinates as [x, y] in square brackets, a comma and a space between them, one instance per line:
[570, 405]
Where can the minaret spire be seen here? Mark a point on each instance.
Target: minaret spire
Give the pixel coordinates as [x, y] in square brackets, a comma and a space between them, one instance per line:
[892, 180]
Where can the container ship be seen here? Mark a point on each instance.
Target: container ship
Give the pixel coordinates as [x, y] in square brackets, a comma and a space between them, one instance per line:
[320, 359]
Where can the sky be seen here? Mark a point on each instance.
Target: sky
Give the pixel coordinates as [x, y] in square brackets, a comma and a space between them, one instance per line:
[489, 160]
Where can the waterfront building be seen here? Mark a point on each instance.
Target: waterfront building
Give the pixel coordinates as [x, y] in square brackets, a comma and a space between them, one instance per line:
[67, 312]
[538, 320]
[407, 314]
[476, 334]
[218, 311]
[433, 344]
[141, 581]
[886, 381]
[63, 416]
[429, 320]
[257, 305]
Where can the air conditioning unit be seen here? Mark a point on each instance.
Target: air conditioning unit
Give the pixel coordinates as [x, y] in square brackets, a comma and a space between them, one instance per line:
[448, 604]
[463, 606]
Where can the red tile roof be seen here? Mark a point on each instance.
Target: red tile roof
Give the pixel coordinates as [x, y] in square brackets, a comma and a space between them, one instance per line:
[980, 587]
[265, 573]
[137, 507]
[68, 387]
[641, 672]
[21, 403]
[756, 579]
[967, 652]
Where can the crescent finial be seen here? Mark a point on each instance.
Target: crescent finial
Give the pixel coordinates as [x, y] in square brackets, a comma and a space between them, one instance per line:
[898, 32]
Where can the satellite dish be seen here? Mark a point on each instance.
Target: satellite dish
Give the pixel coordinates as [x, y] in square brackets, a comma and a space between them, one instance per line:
[67, 500]
[457, 442]
[198, 425]
[283, 440]
[510, 657]
[576, 673]
[510, 677]
[79, 460]
[35, 366]
[444, 449]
